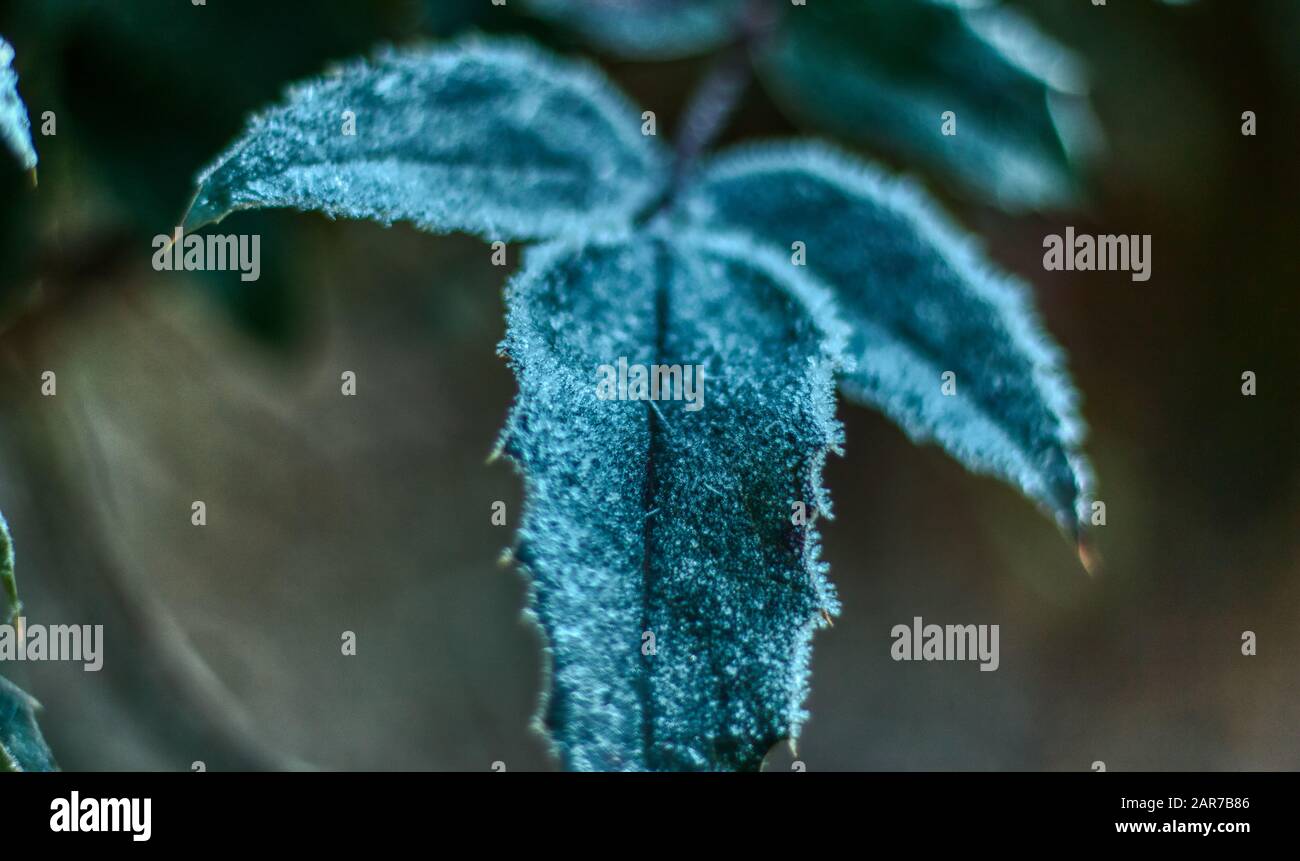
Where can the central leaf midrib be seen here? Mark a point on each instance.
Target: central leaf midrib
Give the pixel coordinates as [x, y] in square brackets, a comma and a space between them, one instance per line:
[650, 491]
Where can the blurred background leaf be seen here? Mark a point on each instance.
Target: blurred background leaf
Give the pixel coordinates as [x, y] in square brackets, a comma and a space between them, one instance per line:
[645, 29]
[884, 73]
[145, 92]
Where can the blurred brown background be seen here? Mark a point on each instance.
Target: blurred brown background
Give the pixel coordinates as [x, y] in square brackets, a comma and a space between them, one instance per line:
[371, 514]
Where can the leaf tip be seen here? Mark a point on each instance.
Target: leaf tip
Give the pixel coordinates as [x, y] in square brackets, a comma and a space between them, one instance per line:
[199, 213]
[1089, 557]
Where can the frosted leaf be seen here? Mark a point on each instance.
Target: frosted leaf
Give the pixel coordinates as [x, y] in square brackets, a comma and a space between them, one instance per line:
[15, 127]
[919, 300]
[21, 746]
[490, 137]
[646, 517]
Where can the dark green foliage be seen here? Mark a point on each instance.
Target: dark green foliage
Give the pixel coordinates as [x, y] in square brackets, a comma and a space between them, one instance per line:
[885, 71]
[646, 29]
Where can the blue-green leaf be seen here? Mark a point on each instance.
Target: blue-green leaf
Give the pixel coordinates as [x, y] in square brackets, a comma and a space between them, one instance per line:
[919, 300]
[645, 29]
[490, 137]
[647, 517]
[10, 607]
[21, 746]
[885, 72]
[15, 127]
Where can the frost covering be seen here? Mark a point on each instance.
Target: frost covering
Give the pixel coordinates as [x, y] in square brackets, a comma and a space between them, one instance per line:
[497, 139]
[15, 127]
[919, 299]
[646, 518]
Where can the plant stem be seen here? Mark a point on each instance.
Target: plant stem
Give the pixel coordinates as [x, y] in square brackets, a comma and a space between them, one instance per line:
[711, 106]
[720, 92]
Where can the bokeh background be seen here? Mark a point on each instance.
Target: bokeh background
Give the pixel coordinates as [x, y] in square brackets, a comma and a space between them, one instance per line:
[371, 514]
